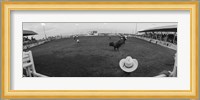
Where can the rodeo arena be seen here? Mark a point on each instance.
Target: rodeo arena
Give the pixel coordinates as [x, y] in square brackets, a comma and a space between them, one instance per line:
[144, 53]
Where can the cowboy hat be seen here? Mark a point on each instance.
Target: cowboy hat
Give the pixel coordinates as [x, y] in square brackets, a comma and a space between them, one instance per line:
[128, 64]
[77, 41]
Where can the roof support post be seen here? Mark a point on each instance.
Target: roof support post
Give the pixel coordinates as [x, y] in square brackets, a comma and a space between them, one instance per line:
[174, 37]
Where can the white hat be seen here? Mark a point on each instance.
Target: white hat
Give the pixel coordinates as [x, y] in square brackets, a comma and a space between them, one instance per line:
[77, 40]
[125, 36]
[128, 64]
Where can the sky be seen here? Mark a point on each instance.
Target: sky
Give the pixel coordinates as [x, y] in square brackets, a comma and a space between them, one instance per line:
[66, 29]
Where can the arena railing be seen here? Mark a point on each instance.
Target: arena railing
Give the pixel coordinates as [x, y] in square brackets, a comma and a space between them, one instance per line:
[29, 67]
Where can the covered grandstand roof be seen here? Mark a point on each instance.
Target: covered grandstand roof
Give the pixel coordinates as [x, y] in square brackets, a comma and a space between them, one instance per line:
[170, 28]
[28, 32]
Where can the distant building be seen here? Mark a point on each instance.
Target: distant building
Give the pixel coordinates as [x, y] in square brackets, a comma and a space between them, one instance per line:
[93, 33]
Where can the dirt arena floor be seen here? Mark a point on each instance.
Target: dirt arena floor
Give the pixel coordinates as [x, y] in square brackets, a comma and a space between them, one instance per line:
[93, 57]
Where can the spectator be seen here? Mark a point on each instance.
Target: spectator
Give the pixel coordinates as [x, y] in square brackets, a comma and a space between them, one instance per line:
[172, 73]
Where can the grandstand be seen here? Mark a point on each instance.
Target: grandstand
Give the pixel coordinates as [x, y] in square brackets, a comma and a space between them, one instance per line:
[165, 36]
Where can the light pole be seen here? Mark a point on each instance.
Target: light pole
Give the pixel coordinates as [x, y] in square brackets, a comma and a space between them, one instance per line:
[136, 25]
[77, 29]
[43, 24]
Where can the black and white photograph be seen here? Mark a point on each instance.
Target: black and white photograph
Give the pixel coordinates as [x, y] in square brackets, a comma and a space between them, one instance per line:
[99, 49]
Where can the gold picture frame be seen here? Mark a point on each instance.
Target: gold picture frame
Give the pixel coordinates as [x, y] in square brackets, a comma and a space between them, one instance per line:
[7, 7]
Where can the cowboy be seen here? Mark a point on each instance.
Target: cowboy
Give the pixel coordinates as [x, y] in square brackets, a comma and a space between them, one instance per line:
[74, 37]
[77, 41]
